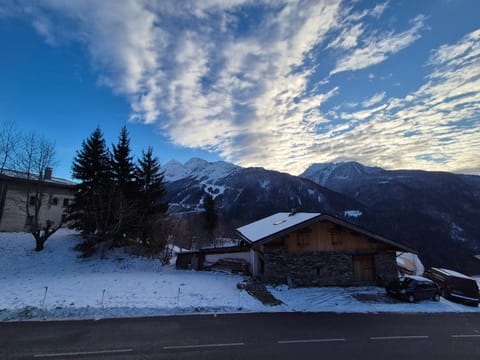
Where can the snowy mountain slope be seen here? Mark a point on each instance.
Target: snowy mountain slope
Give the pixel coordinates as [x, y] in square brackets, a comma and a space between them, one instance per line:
[328, 173]
[192, 180]
[246, 194]
[199, 169]
[434, 212]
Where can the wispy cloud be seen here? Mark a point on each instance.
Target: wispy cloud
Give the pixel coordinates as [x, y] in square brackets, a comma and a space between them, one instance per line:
[434, 127]
[212, 76]
[379, 9]
[348, 38]
[376, 48]
[375, 99]
[44, 27]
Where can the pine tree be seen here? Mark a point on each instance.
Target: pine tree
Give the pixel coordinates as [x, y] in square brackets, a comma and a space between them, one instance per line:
[91, 211]
[210, 218]
[125, 186]
[151, 186]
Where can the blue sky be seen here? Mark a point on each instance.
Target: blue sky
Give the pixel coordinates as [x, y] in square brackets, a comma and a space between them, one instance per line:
[277, 84]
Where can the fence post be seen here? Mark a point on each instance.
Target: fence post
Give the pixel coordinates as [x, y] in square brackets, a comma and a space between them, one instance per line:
[44, 297]
[103, 296]
[178, 296]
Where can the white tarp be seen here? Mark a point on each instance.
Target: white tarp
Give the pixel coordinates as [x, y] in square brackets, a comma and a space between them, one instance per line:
[410, 262]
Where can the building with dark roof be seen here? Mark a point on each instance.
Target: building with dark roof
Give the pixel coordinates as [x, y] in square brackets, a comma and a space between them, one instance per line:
[17, 191]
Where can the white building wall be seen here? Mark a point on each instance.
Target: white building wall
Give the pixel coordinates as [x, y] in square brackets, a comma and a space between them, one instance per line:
[14, 214]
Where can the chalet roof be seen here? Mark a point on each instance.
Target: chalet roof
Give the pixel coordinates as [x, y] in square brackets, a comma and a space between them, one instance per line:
[280, 224]
[20, 175]
[273, 224]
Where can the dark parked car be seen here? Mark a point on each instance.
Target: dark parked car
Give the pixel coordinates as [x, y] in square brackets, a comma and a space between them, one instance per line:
[455, 286]
[412, 288]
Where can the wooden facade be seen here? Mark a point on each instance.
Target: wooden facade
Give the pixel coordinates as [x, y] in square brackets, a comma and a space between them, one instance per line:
[325, 251]
[327, 236]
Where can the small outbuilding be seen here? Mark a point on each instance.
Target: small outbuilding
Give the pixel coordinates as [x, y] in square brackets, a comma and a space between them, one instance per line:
[315, 249]
[236, 259]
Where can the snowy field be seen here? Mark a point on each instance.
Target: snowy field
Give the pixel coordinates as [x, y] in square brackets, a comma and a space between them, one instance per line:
[55, 284]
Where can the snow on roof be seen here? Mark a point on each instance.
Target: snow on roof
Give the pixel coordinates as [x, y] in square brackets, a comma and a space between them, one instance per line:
[353, 213]
[418, 278]
[273, 224]
[455, 273]
[34, 177]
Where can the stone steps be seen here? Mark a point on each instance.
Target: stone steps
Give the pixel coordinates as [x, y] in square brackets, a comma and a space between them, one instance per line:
[260, 292]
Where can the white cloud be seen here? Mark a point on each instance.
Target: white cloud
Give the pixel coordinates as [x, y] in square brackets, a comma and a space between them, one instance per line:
[245, 92]
[8, 9]
[434, 127]
[44, 27]
[458, 53]
[376, 48]
[375, 99]
[379, 9]
[348, 38]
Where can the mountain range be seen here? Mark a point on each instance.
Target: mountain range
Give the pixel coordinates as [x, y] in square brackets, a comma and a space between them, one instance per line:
[435, 213]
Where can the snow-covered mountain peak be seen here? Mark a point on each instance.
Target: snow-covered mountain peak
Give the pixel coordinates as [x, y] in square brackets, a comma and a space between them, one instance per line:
[197, 168]
[341, 171]
[174, 170]
[315, 168]
[196, 163]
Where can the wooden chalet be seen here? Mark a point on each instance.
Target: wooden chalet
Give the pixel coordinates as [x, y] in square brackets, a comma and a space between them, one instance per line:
[314, 249]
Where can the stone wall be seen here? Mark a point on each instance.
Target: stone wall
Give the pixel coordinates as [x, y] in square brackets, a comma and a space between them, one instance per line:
[386, 266]
[320, 268]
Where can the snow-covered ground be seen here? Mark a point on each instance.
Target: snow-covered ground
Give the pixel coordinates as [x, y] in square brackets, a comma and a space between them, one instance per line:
[55, 284]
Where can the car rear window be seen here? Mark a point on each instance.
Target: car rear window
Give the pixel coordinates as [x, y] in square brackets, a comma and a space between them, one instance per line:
[404, 281]
[466, 283]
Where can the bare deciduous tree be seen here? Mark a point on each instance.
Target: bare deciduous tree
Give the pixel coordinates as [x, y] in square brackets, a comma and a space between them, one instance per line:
[8, 138]
[166, 232]
[34, 156]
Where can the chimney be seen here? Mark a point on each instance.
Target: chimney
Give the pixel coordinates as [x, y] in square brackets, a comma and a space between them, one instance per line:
[48, 173]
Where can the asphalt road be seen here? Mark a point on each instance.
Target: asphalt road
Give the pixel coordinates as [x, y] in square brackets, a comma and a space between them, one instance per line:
[249, 336]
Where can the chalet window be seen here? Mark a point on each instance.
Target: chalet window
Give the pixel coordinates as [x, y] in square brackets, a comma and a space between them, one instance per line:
[54, 201]
[65, 202]
[64, 218]
[335, 237]
[32, 200]
[302, 240]
[303, 236]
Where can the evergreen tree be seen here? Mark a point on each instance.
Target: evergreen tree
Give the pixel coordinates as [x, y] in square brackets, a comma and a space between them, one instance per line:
[210, 218]
[151, 186]
[91, 211]
[123, 166]
[125, 186]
